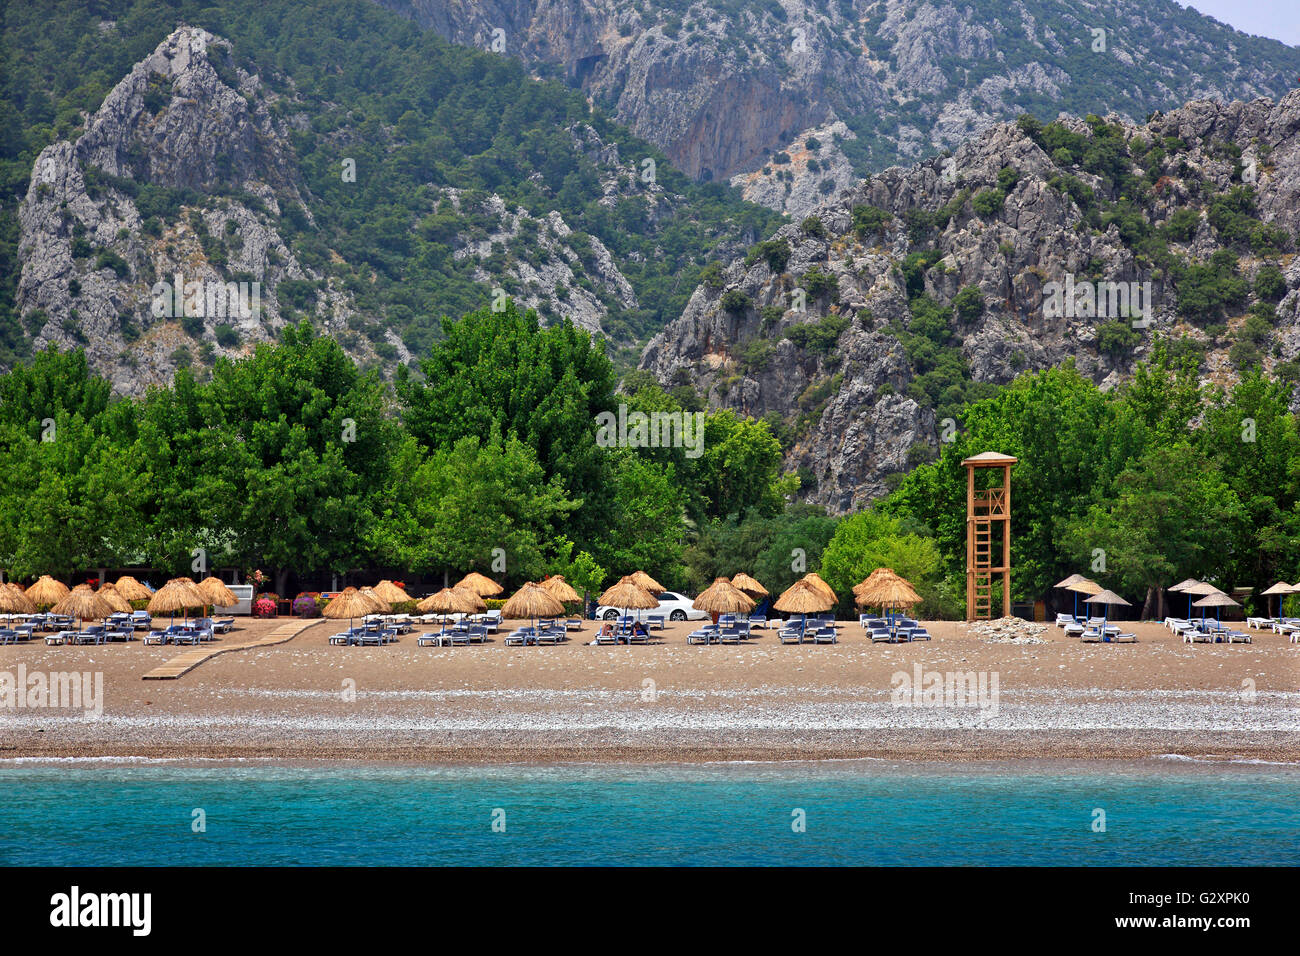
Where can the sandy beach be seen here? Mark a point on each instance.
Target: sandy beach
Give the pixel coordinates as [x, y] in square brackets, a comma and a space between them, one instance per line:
[674, 702]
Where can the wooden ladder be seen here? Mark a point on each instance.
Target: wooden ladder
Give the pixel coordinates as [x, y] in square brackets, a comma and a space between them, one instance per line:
[983, 562]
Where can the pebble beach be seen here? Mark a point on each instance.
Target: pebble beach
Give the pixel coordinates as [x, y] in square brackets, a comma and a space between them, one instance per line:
[1033, 693]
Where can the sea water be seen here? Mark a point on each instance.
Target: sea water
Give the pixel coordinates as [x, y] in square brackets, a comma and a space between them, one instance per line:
[1162, 812]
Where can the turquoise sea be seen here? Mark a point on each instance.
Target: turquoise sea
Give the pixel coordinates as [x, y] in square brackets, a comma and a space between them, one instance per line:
[1162, 812]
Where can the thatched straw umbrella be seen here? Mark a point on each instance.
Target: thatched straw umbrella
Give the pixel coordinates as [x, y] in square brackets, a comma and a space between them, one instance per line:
[218, 595]
[821, 587]
[14, 600]
[479, 584]
[351, 603]
[452, 601]
[1198, 589]
[131, 589]
[890, 590]
[1280, 589]
[1106, 598]
[391, 593]
[723, 597]
[751, 586]
[560, 589]
[629, 595]
[1068, 584]
[1217, 600]
[47, 591]
[381, 606]
[178, 594]
[531, 602]
[645, 582]
[83, 602]
[1082, 586]
[113, 598]
[802, 598]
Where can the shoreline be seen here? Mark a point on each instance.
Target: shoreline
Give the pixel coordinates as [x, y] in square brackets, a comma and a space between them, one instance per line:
[1279, 748]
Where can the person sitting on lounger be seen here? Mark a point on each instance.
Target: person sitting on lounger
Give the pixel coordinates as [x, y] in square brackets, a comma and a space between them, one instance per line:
[639, 630]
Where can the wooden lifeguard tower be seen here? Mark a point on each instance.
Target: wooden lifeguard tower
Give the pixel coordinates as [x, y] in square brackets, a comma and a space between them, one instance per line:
[988, 532]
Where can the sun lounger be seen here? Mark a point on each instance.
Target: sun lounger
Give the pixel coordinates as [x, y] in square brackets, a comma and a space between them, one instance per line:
[521, 638]
[1197, 636]
[825, 635]
[729, 635]
[53, 640]
[919, 634]
[790, 635]
[881, 635]
[1124, 638]
[1259, 623]
[575, 624]
[1238, 637]
[1063, 619]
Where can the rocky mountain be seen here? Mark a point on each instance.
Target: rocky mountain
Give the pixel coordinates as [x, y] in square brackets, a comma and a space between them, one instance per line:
[724, 86]
[177, 180]
[202, 180]
[861, 330]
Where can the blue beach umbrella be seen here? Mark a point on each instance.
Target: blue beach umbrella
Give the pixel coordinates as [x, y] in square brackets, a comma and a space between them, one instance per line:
[1279, 589]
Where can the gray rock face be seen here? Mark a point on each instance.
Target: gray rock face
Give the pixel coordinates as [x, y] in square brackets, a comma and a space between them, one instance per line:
[804, 174]
[851, 404]
[183, 118]
[719, 87]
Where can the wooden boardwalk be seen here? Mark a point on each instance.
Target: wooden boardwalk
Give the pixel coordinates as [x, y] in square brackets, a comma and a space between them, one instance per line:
[191, 659]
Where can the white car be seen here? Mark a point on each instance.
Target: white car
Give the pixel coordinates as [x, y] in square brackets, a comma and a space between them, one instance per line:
[673, 606]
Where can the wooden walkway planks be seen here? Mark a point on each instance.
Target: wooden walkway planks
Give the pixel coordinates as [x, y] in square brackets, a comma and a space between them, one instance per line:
[191, 659]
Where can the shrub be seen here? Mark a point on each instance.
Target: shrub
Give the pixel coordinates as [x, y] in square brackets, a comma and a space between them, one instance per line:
[1116, 338]
[988, 202]
[968, 304]
[818, 283]
[1270, 284]
[775, 251]
[814, 227]
[869, 219]
[305, 605]
[733, 300]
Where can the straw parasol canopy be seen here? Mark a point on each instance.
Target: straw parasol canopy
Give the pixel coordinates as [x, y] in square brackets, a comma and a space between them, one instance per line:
[1086, 586]
[1280, 589]
[1071, 580]
[481, 585]
[890, 590]
[381, 606]
[131, 589]
[114, 599]
[14, 600]
[216, 592]
[178, 594]
[532, 601]
[1202, 588]
[1217, 599]
[560, 588]
[82, 602]
[802, 598]
[47, 590]
[643, 580]
[743, 582]
[351, 603]
[821, 587]
[391, 593]
[723, 597]
[627, 594]
[1184, 584]
[1106, 597]
[452, 601]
